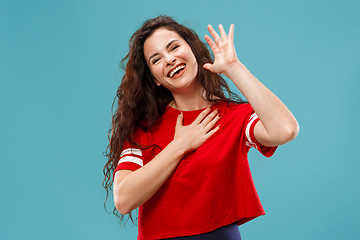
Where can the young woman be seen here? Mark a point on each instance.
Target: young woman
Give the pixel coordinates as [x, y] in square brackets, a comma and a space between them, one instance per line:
[179, 138]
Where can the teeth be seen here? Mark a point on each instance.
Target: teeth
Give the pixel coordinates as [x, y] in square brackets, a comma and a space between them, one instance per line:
[175, 70]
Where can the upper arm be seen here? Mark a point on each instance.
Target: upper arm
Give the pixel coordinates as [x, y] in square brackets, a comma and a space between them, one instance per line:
[120, 175]
[262, 136]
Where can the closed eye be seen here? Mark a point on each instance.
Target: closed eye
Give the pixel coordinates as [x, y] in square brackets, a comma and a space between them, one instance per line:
[155, 60]
[174, 47]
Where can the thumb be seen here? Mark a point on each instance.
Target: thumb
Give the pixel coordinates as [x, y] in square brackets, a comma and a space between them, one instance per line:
[207, 66]
[179, 120]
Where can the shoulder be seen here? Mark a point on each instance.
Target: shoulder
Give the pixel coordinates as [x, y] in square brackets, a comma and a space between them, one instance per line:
[166, 119]
[243, 108]
[140, 135]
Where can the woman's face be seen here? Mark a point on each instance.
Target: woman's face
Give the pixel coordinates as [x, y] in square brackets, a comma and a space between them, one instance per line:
[171, 60]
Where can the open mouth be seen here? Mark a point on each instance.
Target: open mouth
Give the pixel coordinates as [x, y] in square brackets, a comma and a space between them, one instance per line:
[176, 71]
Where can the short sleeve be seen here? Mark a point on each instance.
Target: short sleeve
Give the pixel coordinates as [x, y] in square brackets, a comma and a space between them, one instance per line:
[250, 137]
[131, 158]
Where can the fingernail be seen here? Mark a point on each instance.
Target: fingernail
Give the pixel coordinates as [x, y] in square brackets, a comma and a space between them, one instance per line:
[219, 114]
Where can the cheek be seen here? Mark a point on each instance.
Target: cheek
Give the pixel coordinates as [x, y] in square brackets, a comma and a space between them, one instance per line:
[196, 70]
[195, 63]
[155, 71]
[193, 59]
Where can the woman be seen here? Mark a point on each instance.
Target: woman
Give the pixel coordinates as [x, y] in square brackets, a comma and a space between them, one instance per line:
[178, 145]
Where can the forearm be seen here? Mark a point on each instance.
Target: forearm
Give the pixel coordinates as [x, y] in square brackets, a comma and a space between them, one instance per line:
[140, 185]
[274, 115]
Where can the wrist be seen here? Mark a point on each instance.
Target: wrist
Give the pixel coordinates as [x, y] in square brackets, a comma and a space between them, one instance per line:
[234, 68]
[178, 147]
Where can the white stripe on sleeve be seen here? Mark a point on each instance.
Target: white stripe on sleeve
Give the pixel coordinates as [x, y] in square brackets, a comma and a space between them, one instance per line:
[252, 118]
[133, 151]
[131, 159]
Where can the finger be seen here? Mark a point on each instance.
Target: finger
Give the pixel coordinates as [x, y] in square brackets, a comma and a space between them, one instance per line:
[231, 32]
[213, 33]
[202, 115]
[212, 131]
[179, 120]
[212, 123]
[211, 43]
[209, 117]
[222, 32]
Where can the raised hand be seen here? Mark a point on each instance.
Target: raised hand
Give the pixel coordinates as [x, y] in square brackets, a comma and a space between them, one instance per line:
[223, 49]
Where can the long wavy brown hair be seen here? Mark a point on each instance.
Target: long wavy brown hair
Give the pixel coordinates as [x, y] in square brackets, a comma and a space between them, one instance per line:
[140, 102]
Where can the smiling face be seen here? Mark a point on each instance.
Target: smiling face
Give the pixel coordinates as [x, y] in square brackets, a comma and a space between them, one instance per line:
[170, 60]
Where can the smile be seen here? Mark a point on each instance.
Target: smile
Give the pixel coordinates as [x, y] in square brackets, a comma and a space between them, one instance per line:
[176, 70]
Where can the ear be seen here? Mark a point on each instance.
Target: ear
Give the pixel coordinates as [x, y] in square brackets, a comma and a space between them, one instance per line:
[157, 82]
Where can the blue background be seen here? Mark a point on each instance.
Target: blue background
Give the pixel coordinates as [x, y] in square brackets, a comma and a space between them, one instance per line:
[59, 71]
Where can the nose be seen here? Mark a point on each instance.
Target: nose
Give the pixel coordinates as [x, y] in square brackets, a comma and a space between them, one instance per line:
[170, 59]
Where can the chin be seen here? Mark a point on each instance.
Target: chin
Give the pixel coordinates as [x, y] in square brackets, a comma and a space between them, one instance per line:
[185, 87]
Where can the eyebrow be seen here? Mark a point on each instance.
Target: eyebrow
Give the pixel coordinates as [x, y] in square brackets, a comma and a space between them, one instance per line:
[167, 46]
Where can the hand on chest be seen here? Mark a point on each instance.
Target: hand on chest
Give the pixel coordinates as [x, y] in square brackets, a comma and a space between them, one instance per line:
[216, 152]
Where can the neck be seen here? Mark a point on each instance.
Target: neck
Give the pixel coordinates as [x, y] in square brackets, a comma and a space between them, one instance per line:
[190, 100]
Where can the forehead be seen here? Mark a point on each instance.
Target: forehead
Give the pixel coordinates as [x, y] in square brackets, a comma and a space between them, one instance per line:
[157, 41]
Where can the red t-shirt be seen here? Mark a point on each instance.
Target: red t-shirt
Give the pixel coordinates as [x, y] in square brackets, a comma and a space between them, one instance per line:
[211, 187]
